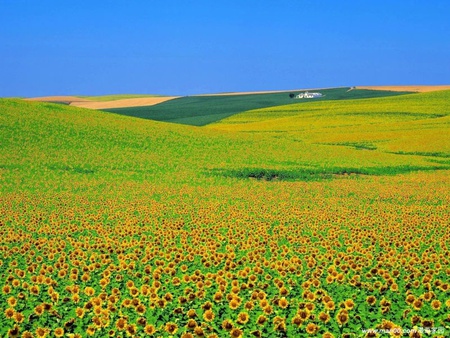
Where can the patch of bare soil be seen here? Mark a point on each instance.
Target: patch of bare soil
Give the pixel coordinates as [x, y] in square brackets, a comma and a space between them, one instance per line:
[123, 103]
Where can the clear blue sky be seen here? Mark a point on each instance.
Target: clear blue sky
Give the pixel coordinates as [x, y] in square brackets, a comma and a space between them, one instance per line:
[188, 47]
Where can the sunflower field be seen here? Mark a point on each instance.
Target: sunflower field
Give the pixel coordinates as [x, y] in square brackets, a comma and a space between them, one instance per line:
[322, 219]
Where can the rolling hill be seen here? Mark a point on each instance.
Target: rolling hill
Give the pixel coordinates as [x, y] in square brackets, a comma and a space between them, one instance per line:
[313, 218]
[204, 109]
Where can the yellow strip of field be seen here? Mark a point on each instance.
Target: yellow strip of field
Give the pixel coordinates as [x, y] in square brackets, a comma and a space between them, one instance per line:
[409, 88]
[135, 102]
[58, 99]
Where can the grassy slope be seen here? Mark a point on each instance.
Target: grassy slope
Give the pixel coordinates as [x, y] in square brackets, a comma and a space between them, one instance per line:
[202, 110]
[87, 182]
[408, 124]
[46, 137]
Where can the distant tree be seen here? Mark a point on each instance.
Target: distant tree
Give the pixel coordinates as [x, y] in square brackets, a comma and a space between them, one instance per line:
[291, 95]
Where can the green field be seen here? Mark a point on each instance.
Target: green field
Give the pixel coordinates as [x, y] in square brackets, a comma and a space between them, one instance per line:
[318, 218]
[202, 110]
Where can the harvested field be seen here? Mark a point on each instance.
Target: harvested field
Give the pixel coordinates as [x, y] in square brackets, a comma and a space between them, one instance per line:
[67, 99]
[135, 102]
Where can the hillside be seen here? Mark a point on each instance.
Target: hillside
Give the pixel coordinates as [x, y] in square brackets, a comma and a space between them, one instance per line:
[408, 124]
[204, 109]
[327, 134]
[310, 218]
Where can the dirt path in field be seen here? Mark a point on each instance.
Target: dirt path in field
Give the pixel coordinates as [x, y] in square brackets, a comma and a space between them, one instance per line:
[417, 88]
[123, 103]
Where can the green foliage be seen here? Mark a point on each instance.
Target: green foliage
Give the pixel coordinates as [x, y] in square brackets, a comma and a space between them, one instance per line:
[315, 174]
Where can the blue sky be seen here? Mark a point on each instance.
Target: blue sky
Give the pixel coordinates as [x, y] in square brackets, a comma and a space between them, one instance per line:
[190, 47]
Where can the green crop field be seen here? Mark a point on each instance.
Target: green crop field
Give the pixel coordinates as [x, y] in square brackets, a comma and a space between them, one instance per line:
[324, 218]
[202, 110]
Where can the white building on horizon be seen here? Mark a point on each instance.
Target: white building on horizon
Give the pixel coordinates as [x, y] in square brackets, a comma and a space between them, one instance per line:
[307, 95]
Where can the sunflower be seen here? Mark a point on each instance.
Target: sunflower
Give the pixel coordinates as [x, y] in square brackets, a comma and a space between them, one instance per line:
[34, 290]
[198, 330]
[329, 305]
[371, 300]
[227, 325]
[187, 335]
[428, 296]
[41, 332]
[327, 335]
[349, 304]
[309, 306]
[171, 328]
[14, 332]
[149, 329]
[387, 325]
[90, 331]
[283, 303]
[191, 313]
[249, 305]
[233, 304]
[168, 297]
[428, 323]
[208, 315]
[394, 287]
[324, 317]
[9, 313]
[279, 324]
[79, 312]
[236, 333]
[261, 320]
[59, 332]
[12, 301]
[436, 304]
[88, 291]
[27, 334]
[268, 310]
[243, 318]
[131, 329]
[97, 322]
[342, 317]
[134, 292]
[297, 320]
[191, 324]
[410, 299]
[444, 287]
[140, 309]
[218, 296]
[417, 304]
[312, 328]
[303, 314]
[18, 317]
[121, 324]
